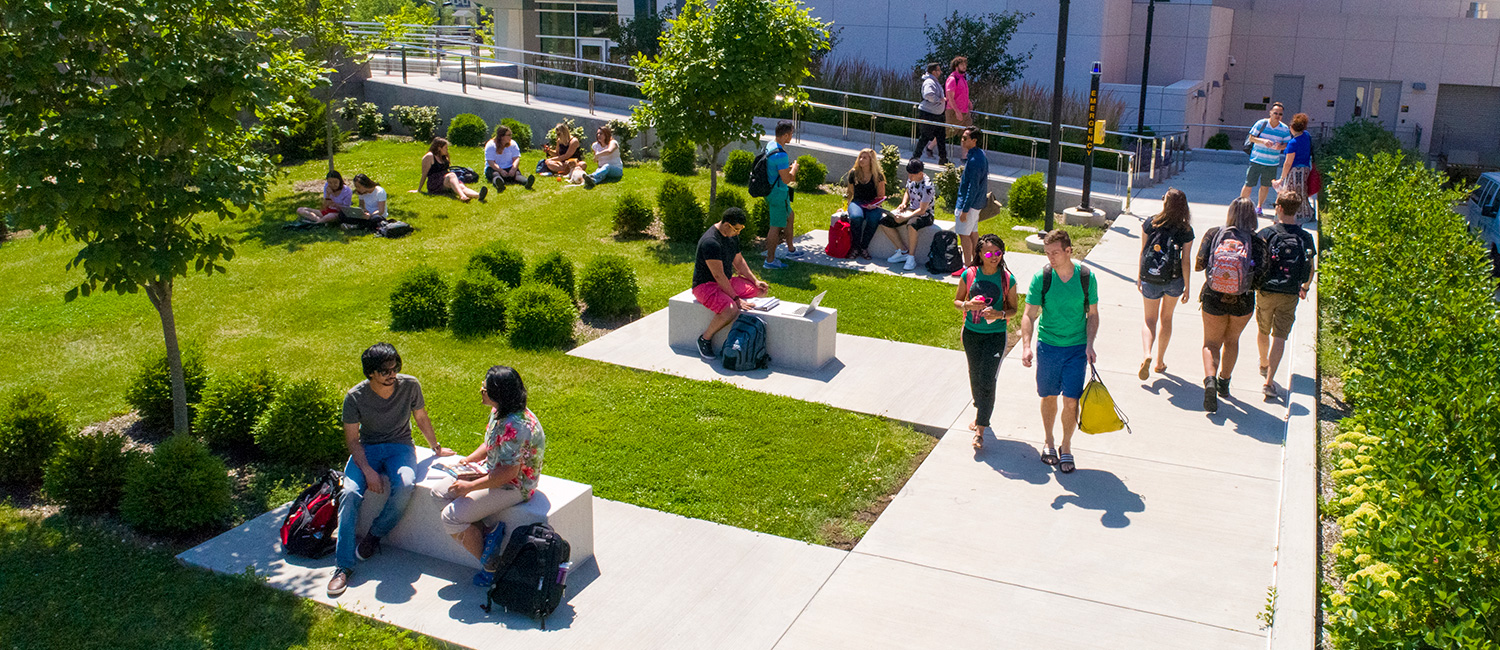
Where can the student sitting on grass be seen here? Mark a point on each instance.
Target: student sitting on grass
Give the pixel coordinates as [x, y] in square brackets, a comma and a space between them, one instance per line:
[914, 214]
[562, 159]
[440, 179]
[335, 194]
[372, 200]
[511, 456]
[714, 284]
[610, 167]
[502, 161]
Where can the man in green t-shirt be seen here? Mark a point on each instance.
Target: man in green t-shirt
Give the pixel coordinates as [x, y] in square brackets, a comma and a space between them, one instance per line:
[1062, 306]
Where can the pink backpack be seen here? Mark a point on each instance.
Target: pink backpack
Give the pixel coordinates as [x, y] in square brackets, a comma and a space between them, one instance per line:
[1229, 263]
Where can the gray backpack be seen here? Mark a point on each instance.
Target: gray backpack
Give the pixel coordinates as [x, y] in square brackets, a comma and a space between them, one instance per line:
[745, 349]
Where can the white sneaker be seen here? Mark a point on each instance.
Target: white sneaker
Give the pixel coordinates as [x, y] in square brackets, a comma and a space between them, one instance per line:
[900, 254]
[911, 263]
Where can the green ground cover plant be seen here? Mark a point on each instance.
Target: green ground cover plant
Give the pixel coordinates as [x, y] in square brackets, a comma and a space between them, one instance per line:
[152, 601]
[1411, 304]
[306, 303]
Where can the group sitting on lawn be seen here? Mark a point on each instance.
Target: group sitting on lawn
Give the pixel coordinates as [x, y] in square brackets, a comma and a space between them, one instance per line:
[338, 203]
[377, 418]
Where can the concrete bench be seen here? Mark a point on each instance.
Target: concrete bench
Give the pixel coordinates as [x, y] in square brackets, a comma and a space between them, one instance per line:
[567, 506]
[881, 248]
[794, 342]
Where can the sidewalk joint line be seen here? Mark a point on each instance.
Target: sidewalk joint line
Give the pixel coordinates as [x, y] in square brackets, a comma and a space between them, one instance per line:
[807, 604]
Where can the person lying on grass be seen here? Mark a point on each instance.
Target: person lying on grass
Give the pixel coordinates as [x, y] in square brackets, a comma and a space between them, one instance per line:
[511, 458]
[438, 177]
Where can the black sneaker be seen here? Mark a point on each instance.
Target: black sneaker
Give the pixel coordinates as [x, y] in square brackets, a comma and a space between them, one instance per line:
[705, 348]
[588, 181]
[1223, 385]
[1210, 395]
[500, 186]
[367, 547]
[483, 192]
[530, 178]
[339, 582]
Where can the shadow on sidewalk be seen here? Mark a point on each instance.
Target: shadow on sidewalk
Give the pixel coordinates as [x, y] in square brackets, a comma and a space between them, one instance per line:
[1015, 460]
[1248, 419]
[1095, 489]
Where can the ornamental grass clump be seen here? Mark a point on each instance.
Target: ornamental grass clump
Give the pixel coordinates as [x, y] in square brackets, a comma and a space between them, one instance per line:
[1407, 294]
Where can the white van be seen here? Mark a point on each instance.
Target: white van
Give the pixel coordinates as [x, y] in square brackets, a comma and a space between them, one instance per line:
[1483, 207]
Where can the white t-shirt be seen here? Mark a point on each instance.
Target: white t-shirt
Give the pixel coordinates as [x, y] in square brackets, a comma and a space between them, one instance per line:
[612, 159]
[371, 202]
[504, 158]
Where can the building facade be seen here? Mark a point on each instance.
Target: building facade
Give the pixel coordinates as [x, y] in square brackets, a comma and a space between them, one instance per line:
[1427, 69]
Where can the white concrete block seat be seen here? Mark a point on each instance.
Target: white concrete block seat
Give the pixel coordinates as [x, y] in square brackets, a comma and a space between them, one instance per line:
[567, 506]
[794, 342]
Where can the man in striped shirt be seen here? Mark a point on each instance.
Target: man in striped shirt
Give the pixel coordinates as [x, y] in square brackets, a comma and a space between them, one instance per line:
[1268, 139]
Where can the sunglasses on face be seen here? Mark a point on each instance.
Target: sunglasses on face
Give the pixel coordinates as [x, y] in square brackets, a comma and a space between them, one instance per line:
[994, 254]
[387, 372]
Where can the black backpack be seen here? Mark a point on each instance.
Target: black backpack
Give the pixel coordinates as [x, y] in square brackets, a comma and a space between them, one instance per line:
[309, 527]
[760, 174]
[1083, 275]
[391, 229]
[464, 174]
[745, 348]
[530, 576]
[1161, 259]
[943, 256]
[1289, 266]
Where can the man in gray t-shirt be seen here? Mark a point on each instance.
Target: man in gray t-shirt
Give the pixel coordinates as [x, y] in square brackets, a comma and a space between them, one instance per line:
[377, 429]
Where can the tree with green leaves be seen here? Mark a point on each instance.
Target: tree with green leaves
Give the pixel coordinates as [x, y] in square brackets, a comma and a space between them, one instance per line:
[720, 67]
[639, 34]
[121, 124]
[983, 39]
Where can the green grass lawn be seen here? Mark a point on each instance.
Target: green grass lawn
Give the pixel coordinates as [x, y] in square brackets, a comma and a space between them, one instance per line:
[79, 584]
[307, 302]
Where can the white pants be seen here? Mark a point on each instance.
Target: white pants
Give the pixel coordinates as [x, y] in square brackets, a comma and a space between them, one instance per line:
[968, 224]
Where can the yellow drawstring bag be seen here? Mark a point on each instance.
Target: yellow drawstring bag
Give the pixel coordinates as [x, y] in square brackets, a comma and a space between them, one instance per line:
[1097, 412]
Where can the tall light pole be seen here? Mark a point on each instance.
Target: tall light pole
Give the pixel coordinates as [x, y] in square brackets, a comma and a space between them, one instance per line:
[1054, 148]
[1140, 121]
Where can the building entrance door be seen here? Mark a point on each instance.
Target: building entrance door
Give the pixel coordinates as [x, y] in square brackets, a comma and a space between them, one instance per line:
[1377, 101]
[593, 49]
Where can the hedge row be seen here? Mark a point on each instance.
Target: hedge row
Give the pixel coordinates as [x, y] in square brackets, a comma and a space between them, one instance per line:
[1410, 300]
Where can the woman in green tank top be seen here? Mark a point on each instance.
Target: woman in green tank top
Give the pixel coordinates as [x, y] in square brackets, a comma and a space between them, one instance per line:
[987, 297]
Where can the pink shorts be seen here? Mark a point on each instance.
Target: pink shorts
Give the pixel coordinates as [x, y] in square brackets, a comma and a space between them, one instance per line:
[711, 296]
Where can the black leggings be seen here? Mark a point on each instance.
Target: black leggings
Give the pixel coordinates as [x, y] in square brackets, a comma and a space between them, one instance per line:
[927, 133]
[985, 352]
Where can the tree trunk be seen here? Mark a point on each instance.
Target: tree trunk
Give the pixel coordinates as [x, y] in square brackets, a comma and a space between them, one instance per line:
[713, 182]
[160, 294]
[328, 126]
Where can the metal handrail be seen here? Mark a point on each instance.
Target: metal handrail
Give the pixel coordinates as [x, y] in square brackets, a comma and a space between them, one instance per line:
[519, 64]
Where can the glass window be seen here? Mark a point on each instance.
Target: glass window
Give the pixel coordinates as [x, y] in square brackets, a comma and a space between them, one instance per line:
[554, 6]
[553, 23]
[595, 25]
[1375, 102]
[559, 46]
[1478, 10]
[1359, 101]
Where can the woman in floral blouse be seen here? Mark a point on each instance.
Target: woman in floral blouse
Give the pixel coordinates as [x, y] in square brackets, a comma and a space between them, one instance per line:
[511, 456]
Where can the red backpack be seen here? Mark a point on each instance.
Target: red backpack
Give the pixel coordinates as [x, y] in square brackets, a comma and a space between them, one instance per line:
[309, 526]
[839, 240]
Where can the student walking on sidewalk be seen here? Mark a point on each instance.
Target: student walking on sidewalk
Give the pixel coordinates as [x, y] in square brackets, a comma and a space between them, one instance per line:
[1291, 258]
[987, 297]
[1164, 276]
[931, 108]
[1233, 259]
[1062, 305]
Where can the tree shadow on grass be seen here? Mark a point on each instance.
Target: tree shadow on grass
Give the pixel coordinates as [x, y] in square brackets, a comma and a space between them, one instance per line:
[69, 584]
[667, 252]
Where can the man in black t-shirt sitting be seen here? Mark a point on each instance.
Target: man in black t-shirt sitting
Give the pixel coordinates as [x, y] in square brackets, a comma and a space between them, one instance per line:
[714, 283]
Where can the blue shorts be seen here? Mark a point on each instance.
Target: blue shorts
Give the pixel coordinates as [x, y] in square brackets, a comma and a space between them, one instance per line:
[1154, 291]
[1060, 371]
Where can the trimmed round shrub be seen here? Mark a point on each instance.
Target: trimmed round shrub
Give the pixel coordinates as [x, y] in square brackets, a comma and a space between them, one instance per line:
[757, 224]
[478, 305]
[737, 167]
[501, 261]
[1219, 141]
[679, 157]
[608, 286]
[810, 173]
[231, 406]
[726, 198]
[1028, 197]
[302, 426]
[519, 133]
[557, 270]
[180, 487]
[632, 214]
[88, 472]
[890, 164]
[467, 130]
[540, 316]
[946, 184]
[150, 393]
[419, 301]
[682, 216]
[30, 428]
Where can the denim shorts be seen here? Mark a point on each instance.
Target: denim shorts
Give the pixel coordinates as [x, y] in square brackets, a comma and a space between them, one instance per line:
[1060, 370]
[1153, 291]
